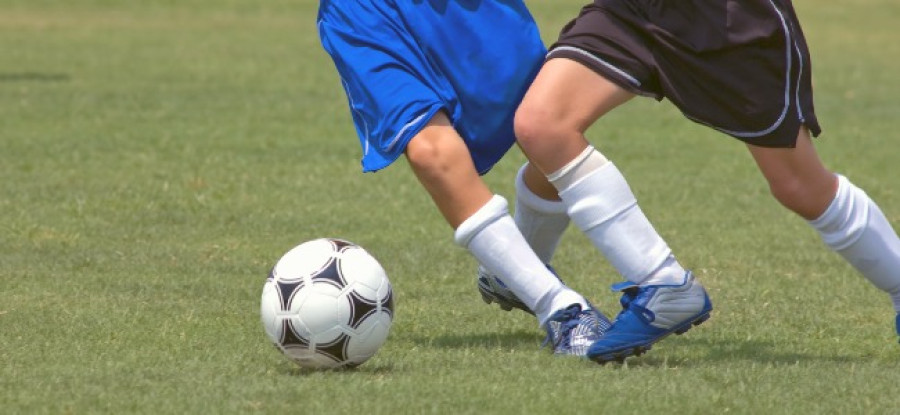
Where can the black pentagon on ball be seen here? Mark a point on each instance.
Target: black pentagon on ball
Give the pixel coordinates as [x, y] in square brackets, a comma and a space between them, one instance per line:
[286, 292]
[387, 303]
[360, 309]
[330, 274]
[340, 244]
[336, 350]
[289, 336]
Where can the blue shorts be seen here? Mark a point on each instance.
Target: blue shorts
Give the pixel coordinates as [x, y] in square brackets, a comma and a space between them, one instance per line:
[402, 61]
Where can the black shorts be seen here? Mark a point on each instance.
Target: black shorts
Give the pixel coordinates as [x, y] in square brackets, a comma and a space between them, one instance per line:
[739, 66]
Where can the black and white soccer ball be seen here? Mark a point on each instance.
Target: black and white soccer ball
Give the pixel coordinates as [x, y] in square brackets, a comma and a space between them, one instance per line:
[327, 303]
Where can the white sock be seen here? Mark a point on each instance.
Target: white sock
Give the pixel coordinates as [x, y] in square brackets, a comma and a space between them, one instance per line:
[493, 238]
[541, 221]
[601, 204]
[855, 227]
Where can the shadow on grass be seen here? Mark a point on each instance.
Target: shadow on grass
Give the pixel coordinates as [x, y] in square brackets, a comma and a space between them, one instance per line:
[706, 352]
[370, 368]
[508, 340]
[518, 340]
[690, 351]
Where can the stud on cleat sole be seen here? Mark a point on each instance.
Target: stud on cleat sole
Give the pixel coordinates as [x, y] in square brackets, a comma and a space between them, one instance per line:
[620, 356]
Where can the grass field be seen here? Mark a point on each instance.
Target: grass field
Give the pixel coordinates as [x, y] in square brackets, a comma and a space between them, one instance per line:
[157, 157]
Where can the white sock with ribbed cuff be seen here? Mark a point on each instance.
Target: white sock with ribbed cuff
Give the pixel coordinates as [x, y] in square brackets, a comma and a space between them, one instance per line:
[602, 205]
[541, 221]
[854, 227]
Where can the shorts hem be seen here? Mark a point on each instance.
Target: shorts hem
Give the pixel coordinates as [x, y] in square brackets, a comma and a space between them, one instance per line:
[603, 68]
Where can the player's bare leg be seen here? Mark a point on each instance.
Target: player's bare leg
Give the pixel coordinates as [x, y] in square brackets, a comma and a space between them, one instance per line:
[441, 162]
[796, 176]
[564, 100]
[848, 220]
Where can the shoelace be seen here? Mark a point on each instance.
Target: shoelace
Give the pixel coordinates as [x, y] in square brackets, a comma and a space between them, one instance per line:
[628, 297]
[568, 320]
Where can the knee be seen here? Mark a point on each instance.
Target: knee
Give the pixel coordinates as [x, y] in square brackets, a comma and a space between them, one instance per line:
[788, 192]
[425, 156]
[808, 199]
[534, 126]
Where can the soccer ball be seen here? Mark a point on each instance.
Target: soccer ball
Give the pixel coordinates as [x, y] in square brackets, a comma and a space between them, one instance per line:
[326, 304]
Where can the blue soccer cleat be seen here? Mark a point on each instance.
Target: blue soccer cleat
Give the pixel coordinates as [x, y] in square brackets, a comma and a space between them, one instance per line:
[649, 314]
[572, 330]
[494, 290]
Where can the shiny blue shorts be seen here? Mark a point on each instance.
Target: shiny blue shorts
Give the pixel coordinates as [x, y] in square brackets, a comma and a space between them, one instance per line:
[402, 61]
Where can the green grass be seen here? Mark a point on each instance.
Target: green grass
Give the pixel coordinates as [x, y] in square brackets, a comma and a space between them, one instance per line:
[156, 158]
